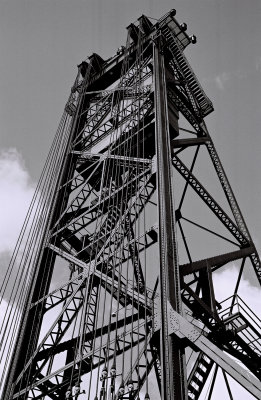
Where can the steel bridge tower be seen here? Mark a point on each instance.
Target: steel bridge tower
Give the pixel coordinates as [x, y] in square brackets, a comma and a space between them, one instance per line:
[133, 220]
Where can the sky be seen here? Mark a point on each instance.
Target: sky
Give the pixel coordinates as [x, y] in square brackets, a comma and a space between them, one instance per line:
[41, 43]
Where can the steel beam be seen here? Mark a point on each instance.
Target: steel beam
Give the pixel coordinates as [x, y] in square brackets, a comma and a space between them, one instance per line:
[214, 262]
[172, 358]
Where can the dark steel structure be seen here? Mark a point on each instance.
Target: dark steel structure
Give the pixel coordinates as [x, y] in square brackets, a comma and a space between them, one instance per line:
[115, 296]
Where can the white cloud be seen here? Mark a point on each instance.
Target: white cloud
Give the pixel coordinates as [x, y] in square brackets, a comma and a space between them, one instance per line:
[16, 193]
[221, 80]
[225, 282]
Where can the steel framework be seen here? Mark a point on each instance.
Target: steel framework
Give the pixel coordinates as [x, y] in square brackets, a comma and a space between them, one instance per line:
[115, 293]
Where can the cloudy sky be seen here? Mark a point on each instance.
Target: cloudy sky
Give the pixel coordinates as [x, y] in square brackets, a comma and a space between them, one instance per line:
[41, 43]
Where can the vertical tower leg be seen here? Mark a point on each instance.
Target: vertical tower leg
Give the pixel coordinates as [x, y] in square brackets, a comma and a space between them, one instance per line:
[172, 355]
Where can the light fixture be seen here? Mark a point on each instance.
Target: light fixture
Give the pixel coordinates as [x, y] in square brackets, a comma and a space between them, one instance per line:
[130, 386]
[113, 371]
[193, 39]
[121, 390]
[104, 373]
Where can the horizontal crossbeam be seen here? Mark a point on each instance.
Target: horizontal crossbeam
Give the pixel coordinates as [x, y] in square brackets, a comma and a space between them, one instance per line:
[216, 261]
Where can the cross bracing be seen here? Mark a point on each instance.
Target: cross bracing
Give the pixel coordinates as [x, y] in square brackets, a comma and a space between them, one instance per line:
[113, 285]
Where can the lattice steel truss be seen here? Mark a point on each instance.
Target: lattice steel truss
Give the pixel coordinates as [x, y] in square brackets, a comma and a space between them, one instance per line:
[115, 294]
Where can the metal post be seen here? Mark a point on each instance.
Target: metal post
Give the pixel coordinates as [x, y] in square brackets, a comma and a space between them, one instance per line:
[172, 356]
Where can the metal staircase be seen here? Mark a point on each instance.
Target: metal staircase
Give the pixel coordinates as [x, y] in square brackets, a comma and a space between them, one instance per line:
[199, 375]
[244, 329]
[241, 320]
[190, 78]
